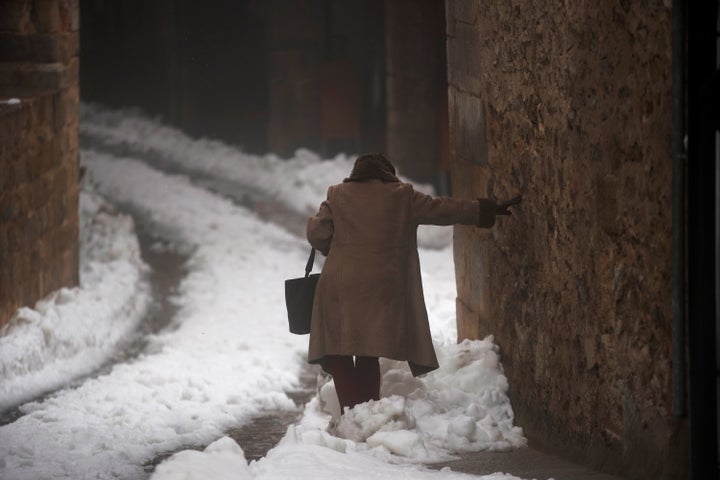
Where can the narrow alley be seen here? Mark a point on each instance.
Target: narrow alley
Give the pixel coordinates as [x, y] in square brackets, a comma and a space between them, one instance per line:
[166, 165]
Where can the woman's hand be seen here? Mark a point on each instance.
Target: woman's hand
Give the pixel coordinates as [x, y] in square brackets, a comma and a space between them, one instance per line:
[501, 208]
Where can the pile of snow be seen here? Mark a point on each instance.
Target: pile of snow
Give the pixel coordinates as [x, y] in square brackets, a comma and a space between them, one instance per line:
[461, 407]
[296, 181]
[74, 330]
[224, 460]
[300, 182]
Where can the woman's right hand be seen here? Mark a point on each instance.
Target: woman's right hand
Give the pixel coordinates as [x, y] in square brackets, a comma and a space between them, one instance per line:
[501, 208]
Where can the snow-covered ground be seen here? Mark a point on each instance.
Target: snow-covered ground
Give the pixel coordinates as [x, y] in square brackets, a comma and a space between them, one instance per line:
[227, 354]
[74, 330]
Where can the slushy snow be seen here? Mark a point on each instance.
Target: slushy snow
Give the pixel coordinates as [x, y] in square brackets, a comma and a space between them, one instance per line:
[227, 355]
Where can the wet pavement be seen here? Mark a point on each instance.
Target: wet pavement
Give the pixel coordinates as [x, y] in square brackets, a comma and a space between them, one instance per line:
[266, 431]
[527, 463]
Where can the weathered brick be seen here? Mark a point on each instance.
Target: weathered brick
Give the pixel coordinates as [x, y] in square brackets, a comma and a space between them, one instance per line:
[37, 161]
[30, 293]
[4, 273]
[43, 113]
[57, 212]
[17, 236]
[35, 260]
[38, 48]
[44, 215]
[18, 171]
[4, 241]
[19, 201]
[69, 143]
[26, 79]
[6, 207]
[65, 106]
[66, 237]
[40, 192]
[15, 15]
[59, 180]
[38, 150]
[73, 8]
[47, 15]
[11, 118]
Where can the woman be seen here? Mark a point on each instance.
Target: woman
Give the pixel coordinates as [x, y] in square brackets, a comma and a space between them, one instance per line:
[369, 300]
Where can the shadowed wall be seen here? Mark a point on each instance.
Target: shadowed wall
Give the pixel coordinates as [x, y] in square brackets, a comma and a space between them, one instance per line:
[569, 104]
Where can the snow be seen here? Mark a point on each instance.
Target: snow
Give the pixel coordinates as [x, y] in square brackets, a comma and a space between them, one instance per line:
[224, 460]
[300, 183]
[227, 356]
[74, 330]
[461, 407]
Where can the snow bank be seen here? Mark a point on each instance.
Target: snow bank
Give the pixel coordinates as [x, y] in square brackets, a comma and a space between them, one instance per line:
[461, 407]
[296, 182]
[300, 183]
[74, 330]
[226, 356]
[224, 460]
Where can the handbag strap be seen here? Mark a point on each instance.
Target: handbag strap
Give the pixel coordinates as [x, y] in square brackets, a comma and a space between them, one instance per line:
[310, 263]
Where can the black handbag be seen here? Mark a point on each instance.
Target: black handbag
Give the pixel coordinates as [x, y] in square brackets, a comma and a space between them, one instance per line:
[299, 296]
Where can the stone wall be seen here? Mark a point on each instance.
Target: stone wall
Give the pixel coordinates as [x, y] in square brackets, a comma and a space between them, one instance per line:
[568, 103]
[38, 150]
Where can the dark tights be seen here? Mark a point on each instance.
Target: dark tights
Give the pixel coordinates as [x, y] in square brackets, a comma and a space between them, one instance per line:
[355, 382]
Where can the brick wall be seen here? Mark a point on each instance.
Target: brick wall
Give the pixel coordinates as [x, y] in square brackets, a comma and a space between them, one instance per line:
[38, 150]
[569, 104]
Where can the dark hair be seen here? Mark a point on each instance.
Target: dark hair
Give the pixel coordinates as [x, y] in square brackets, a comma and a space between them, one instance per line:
[372, 166]
[379, 158]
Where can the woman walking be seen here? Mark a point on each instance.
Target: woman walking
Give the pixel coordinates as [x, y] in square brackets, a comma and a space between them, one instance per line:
[369, 299]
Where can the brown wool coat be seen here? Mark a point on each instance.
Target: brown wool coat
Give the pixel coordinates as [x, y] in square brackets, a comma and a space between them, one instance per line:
[369, 299]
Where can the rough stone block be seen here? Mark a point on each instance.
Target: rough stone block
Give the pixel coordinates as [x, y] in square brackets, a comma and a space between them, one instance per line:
[66, 237]
[18, 171]
[27, 79]
[47, 15]
[56, 213]
[463, 11]
[39, 160]
[38, 213]
[570, 97]
[38, 48]
[468, 131]
[15, 15]
[468, 322]
[73, 7]
[59, 180]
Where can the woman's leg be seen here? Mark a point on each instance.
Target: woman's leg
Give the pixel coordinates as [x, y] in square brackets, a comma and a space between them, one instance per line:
[367, 374]
[343, 372]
